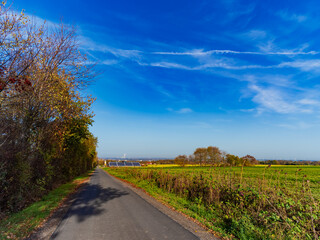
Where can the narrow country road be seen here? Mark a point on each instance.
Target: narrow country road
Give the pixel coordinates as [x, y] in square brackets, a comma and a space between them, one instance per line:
[106, 209]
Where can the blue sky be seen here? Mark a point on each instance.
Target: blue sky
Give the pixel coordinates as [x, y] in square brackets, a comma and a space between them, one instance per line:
[240, 75]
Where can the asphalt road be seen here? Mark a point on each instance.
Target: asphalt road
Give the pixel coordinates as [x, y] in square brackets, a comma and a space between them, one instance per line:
[106, 209]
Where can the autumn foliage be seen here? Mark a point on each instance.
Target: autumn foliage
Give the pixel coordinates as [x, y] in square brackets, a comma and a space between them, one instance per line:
[44, 118]
[213, 156]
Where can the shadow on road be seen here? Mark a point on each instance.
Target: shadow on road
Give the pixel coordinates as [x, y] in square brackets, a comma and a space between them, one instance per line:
[90, 199]
[89, 202]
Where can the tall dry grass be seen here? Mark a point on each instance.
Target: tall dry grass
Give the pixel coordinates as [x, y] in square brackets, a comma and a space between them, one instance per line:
[261, 207]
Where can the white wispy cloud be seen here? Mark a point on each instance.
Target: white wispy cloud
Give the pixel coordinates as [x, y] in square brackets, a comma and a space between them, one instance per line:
[229, 66]
[296, 126]
[277, 100]
[207, 59]
[311, 102]
[181, 110]
[271, 99]
[109, 62]
[168, 65]
[184, 110]
[104, 62]
[255, 34]
[220, 65]
[303, 64]
[269, 92]
[292, 16]
[201, 52]
[36, 19]
[270, 79]
[88, 44]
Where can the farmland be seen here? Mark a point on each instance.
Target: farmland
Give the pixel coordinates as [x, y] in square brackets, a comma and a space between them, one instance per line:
[261, 202]
[290, 175]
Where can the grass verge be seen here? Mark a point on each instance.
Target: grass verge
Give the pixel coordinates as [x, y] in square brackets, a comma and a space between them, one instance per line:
[19, 225]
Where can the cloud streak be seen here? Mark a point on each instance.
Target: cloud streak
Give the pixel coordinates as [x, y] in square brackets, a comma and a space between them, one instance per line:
[200, 52]
[267, 92]
[305, 65]
[90, 45]
[276, 100]
[146, 59]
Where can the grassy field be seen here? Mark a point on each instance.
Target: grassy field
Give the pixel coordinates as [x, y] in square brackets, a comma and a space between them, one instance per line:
[290, 175]
[21, 224]
[261, 202]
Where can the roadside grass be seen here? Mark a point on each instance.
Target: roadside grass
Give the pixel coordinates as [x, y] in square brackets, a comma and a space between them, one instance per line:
[19, 225]
[280, 202]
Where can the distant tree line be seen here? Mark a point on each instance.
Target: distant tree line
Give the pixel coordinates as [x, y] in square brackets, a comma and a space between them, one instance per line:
[44, 120]
[165, 161]
[214, 156]
[288, 162]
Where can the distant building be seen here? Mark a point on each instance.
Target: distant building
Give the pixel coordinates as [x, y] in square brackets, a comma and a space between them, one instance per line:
[124, 164]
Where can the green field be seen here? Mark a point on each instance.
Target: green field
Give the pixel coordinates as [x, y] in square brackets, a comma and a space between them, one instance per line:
[289, 174]
[260, 202]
